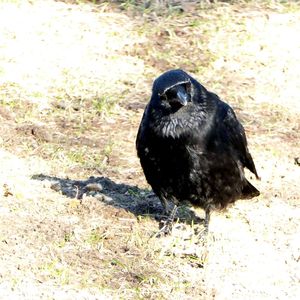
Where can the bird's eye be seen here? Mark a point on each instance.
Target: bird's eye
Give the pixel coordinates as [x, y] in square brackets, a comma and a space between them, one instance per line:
[163, 96]
[171, 93]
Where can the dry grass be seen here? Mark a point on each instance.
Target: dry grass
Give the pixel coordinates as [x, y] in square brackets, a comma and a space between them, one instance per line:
[73, 83]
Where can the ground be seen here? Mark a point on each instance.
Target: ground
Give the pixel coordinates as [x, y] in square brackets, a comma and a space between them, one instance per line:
[77, 217]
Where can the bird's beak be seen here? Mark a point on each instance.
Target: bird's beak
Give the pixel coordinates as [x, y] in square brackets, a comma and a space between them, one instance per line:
[182, 96]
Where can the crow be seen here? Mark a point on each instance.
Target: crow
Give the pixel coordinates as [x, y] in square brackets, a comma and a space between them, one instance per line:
[192, 148]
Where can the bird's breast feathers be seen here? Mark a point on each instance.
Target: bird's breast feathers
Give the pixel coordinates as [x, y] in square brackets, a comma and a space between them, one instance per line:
[181, 125]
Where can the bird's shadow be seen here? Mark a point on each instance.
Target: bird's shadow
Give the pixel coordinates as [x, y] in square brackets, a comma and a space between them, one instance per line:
[140, 202]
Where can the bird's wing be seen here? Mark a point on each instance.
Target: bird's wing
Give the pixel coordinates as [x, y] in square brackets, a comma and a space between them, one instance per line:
[237, 139]
[140, 135]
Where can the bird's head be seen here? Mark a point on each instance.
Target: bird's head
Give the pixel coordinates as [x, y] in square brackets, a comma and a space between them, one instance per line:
[173, 90]
[178, 104]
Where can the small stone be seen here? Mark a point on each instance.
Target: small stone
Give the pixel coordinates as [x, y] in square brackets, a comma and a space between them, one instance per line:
[104, 198]
[56, 186]
[97, 187]
[60, 104]
[99, 197]
[107, 198]
[6, 190]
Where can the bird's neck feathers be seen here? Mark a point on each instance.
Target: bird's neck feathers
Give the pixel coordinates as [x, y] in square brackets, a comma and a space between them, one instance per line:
[188, 119]
[181, 123]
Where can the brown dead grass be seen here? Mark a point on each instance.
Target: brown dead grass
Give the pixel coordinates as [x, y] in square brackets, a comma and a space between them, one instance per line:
[73, 83]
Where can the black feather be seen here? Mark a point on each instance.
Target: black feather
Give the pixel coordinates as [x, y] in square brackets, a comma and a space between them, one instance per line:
[195, 150]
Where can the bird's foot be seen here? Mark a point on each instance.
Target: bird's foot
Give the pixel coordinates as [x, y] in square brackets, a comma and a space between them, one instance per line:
[202, 236]
[165, 228]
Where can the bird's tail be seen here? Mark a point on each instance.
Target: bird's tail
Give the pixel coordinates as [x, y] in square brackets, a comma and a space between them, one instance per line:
[249, 191]
[251, 166]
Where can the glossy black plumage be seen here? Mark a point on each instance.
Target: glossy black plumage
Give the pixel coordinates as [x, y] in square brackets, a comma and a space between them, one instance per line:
[192, 147]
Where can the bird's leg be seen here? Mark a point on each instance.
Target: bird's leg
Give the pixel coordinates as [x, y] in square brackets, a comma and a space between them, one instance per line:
[202, 235]
[172, 214]
[167, 227]
[206, 221]
[164, 204]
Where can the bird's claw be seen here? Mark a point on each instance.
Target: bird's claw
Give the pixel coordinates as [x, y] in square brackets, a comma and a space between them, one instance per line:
[202, 235]
[165, 228]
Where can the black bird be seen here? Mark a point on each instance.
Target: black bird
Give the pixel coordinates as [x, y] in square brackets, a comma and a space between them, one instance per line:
[192, 147]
